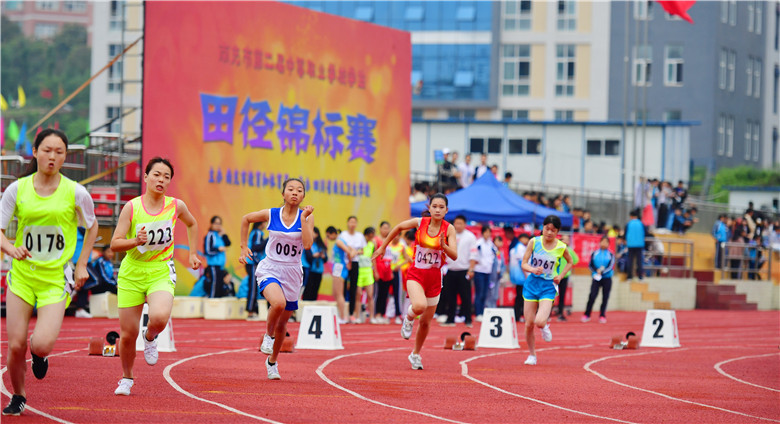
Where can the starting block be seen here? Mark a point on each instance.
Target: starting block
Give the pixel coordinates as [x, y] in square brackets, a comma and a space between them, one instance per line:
[109, 348]
[466, 342]
[630, 342]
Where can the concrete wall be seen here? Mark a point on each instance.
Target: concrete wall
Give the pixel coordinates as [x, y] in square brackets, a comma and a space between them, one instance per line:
[765, 294]
[679, 292]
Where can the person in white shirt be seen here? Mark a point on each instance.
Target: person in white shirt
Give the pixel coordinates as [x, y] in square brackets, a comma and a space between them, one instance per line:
[486, 253]
[457, 280]
[482, 168]
[466, 172]
[517, 275]
[356, 241]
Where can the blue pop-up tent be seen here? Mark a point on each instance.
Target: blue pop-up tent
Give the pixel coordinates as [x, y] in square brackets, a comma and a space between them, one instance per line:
[489, 200]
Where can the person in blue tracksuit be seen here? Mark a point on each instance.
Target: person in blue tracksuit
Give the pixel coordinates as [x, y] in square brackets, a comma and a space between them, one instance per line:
[635, 241]
[721, 233]
[257, 241]
[602, 264]
[214, 246]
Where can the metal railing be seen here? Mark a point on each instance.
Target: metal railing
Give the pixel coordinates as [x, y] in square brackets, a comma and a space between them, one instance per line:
[668, 257]
[746, 261]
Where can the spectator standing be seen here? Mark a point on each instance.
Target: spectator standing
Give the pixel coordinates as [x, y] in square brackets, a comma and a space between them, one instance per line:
[499, 267]
[507, 179]
[721, 233]
[602, 263]
[457, 280]
[751, 223]
[517, 275]
[564, 284]
[635, 241]
[466, 172]
[446, 171]
[736, 253]
[480, 170]
[486, 254]
[356, 242]
[214, 245]
[257, 241]
[318, 255]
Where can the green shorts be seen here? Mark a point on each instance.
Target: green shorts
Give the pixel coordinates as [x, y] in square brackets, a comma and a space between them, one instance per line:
[365, 277]
[39, 292]
[136, 280]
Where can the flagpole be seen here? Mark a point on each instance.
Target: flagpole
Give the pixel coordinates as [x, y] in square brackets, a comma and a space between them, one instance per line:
[622, 203]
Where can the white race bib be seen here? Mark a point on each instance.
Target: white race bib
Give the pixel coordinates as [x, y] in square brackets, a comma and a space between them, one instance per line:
[425, 258]
[159, 235]
[44, 242]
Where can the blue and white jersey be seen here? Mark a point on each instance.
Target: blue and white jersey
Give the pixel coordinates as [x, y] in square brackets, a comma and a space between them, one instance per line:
[285, 244]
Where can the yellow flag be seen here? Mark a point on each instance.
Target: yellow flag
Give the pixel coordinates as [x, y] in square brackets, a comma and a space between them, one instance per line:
[3, 103]
[22, 97]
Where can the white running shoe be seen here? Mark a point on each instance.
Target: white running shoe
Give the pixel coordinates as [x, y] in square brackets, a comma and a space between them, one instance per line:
[478, 318]
[124, 387]
[406, 328]
[546, 333]
[531, 360]
[150, 350]
[273, 370]
[268, 345]
[416, 361]
[82, 313]
[441, 318]
[398, 320]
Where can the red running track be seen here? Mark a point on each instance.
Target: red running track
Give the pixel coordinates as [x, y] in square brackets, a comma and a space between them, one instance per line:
[727, 371]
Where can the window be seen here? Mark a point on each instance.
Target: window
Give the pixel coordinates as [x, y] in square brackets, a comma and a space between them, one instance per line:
[749, 71]
[732, 70]
[477, 145]
[774, 91]
[759, 17]
[417, 113]
[116, 15]
[724, 54]
[463, 79]
[515, 146]
[115, 71]
[44, 31]
[730, 136]
[564, 75]
[751, 22]
[748, 139]
[564, 115]
[111, 113]
[757, 77]
[414, 14]
[643, 9]
[494, 145]
[733, 12]
[643, 62]
[74, 6]
[721, 134]
[461, 114]
[673, 115]
[756, 138]
[674, 66]
[364, 13]
[12, 5]
[466, 14]
[567, 15]
[515, 70]
[533, 146]
[46, 5]
[514, 114]
[594, 148]
[639, 115]
[517, 15]
[611, 147]
[724, 12]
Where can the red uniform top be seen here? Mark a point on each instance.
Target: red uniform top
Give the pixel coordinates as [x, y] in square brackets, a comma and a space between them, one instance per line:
[428, 258]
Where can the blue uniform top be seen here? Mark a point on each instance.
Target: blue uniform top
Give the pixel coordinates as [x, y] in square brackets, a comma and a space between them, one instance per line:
[211, 246]
[339, 255]
[635, 233]
[256, 238]
[285, 243]
[602, 258]
[317, 264]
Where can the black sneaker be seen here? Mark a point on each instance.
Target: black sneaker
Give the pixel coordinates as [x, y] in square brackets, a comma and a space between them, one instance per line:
[16, 406]
[39, 366]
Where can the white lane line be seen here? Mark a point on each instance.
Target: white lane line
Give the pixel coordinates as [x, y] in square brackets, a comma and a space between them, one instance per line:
[28, 407]
[718, 368]
[588, 368]
[320, 372]
[169, 379]
[464, 371]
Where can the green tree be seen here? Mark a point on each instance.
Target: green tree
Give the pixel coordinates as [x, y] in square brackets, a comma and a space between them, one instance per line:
[743, 176]
[46, 65]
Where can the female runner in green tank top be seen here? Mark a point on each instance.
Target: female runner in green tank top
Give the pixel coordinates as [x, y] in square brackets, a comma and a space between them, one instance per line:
[49, 208]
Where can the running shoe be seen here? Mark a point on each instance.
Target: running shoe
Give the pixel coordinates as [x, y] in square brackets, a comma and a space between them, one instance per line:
[603, 320]
[585, 318]
[124, 387]
[416, 361]
[406, 328]
[39, 366]
[268, 345]
[82, 313]
[531, 360]
[546, 333]
[273, 370]
[16, 406]
[150, 350]
[561, 318]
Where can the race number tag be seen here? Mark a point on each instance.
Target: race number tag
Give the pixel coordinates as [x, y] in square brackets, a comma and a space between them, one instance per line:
[44, 242]
[547, 263]
[426, 258]
[159, 235]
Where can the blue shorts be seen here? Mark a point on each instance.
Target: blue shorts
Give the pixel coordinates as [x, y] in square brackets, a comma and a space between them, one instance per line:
[536, 289]
[340, 270]
[290, 306]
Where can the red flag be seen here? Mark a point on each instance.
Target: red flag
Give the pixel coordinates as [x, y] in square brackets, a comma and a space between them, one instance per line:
[678, 7]
[46, 93]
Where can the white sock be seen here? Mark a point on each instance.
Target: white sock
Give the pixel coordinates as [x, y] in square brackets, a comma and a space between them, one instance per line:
[410, 314]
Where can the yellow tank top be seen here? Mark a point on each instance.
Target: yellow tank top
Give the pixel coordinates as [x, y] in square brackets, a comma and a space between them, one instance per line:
[159, 229]
[47, 228]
